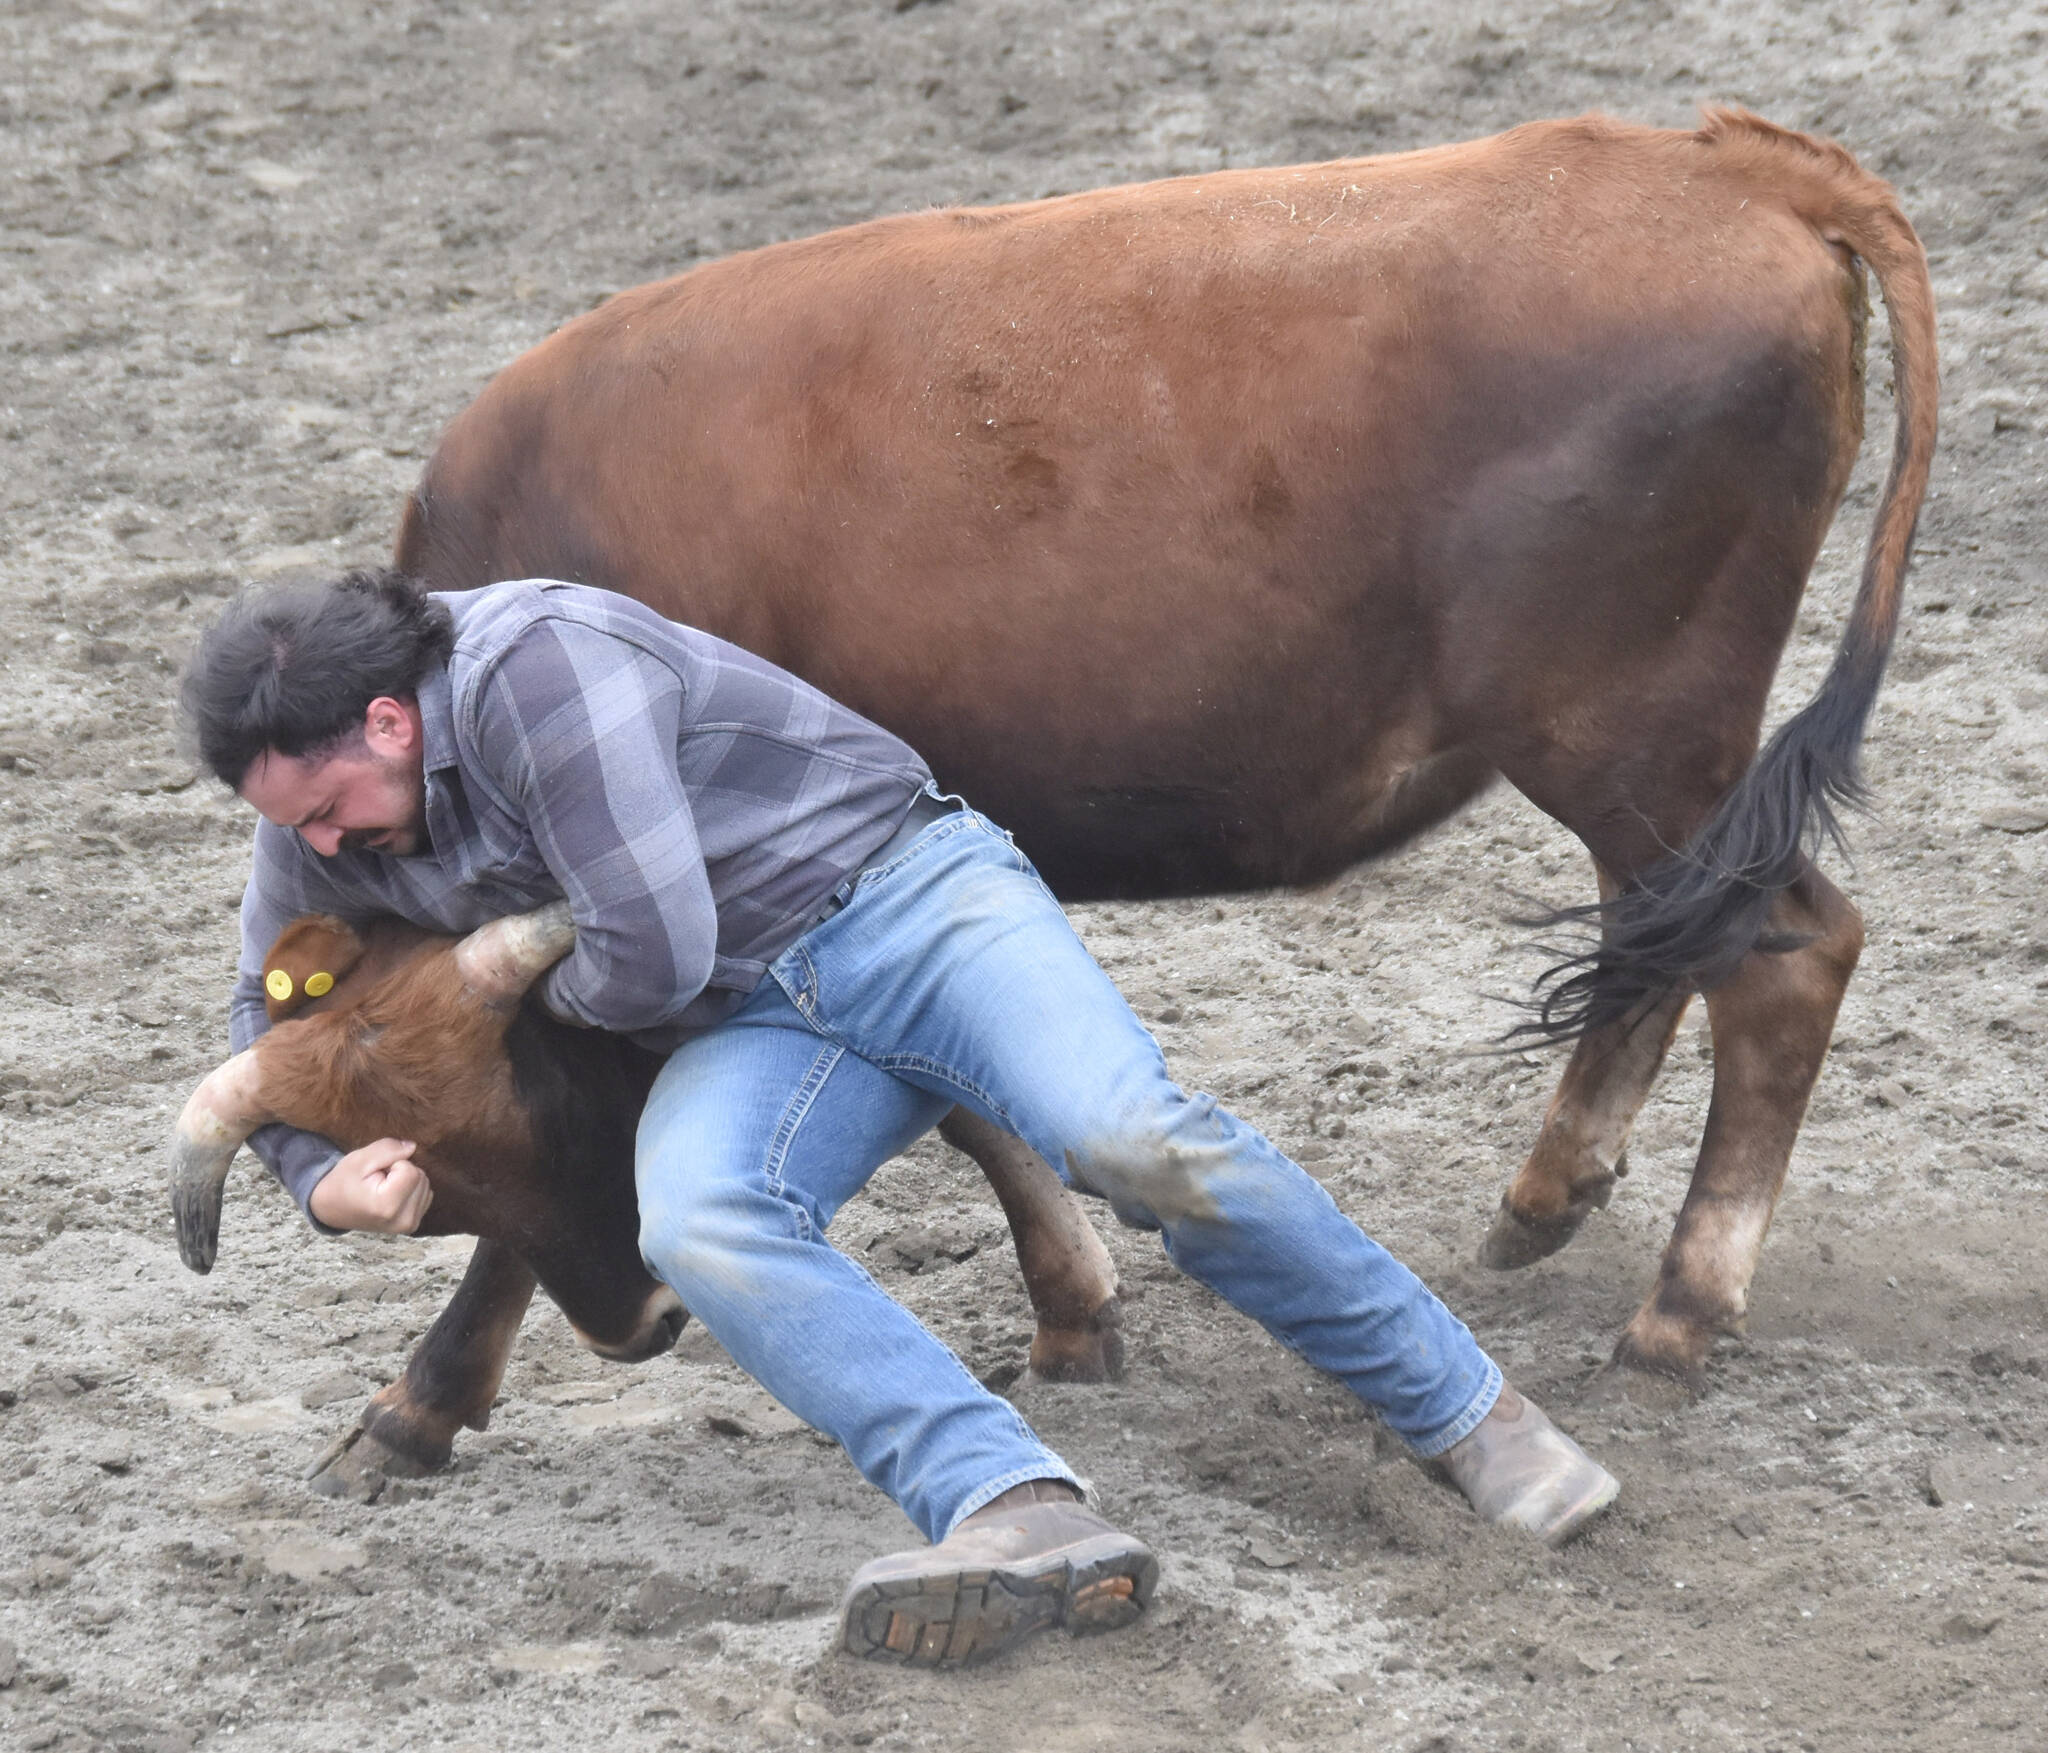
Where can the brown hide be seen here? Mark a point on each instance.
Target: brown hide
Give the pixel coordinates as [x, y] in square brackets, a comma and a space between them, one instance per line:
[1221, 532]
[399, 1048]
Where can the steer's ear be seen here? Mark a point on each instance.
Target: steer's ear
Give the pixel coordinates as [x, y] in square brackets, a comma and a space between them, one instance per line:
[311, 957]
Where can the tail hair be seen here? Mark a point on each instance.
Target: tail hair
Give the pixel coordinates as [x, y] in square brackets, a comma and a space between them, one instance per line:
[1686, 922]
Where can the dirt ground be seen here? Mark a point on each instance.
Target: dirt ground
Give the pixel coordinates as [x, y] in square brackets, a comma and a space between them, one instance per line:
[252, 257]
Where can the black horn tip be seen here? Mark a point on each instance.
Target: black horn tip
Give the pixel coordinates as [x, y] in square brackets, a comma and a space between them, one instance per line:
[198, 1240]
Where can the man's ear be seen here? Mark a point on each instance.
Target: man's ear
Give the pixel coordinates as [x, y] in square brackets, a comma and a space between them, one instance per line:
[391, 727]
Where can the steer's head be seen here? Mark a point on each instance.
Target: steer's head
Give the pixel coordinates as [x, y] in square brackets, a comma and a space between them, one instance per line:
[378, 1027]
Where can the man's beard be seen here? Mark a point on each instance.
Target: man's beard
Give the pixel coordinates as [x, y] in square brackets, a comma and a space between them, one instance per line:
[392, 842]
[403, 839]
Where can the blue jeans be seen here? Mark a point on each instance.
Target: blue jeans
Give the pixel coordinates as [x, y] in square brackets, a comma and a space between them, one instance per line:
[951, 976]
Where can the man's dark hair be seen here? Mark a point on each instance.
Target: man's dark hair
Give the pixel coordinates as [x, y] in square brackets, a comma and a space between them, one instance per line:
[294, 667]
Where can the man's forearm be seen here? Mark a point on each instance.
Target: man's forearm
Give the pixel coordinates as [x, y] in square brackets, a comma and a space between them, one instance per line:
[299, 1160]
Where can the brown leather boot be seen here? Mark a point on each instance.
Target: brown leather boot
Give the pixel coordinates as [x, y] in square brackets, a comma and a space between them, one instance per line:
[1518, 1470]
[1035, 1557]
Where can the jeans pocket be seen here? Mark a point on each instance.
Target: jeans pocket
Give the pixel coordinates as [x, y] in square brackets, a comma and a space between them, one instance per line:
[797, 975]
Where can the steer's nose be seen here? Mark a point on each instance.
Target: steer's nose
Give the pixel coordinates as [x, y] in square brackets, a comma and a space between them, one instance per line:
[661, 1324]
[668, 1328]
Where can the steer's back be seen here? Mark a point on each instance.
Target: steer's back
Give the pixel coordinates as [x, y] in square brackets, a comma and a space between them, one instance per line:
[1215, 508]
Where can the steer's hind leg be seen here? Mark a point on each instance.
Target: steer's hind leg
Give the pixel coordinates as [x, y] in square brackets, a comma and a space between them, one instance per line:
[1771, 1025]
[1067, 1271]
[408, 1429]
[1581, 1151]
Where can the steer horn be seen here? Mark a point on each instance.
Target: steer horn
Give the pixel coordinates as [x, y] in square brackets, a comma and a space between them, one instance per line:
[499, 961]
[225, 1108]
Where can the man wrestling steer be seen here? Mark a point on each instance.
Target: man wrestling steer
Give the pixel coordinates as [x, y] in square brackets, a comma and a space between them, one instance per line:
[770, 890]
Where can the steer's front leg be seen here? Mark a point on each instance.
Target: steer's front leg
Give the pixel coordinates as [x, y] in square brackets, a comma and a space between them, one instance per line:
[408, 1429]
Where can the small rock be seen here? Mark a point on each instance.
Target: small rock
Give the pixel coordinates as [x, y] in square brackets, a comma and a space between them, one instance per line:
[325, 1390]
[378, 1341]
[1890, 1092]
[319, 1645]
[113, 1460]
[239, 1497]
[1595, 1661]
[370, 1288]
[760, 1415]
[1969, 1627]
[10, 1664]
[393, 1674]
[1749, 1525]
[275, 179]
[920, 1249]
[306, 1557]
[1271, 1554]
[2015, 819]
[779, 1711]
[45, 1574]
[649, 1661]
[539, 1658]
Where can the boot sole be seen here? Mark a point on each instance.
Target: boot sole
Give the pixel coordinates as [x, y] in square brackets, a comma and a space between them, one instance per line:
[952, 1618]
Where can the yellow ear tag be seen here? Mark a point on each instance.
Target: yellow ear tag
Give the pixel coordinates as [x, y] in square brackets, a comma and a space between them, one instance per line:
[278, 984]
[319, 985]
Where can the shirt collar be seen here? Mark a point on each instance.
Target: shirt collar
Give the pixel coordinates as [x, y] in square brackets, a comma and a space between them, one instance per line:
[436, 700]
[441, 769]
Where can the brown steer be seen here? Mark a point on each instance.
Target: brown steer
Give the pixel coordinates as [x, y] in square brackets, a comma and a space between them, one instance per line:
[1223, 532]
[525, 1128]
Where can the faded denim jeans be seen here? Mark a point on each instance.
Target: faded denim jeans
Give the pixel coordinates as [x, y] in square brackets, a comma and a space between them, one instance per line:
[951, 976]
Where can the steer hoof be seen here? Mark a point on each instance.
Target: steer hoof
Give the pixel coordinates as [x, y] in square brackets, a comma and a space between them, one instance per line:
[1520, 1241]
[1093, 1352]
[357, 1465]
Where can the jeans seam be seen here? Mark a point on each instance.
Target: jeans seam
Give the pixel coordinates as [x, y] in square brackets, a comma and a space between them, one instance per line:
[794, 1113]
[945, 1074]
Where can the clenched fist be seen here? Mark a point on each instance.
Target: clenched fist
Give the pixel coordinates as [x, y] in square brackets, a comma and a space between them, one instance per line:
[378, 1187]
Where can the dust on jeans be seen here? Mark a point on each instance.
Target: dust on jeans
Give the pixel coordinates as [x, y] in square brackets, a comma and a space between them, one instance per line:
[1152, 1183]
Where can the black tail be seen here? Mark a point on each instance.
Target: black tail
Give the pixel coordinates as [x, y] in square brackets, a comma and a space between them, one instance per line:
[1686, 922]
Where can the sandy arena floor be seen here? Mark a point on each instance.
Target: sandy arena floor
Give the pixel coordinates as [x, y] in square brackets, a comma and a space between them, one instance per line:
[253, 256]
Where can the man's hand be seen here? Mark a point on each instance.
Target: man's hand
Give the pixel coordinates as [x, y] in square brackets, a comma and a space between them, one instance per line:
[378, 1187]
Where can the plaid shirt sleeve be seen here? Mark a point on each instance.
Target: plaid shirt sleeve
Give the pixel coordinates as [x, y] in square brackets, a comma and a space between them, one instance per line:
[280, 888]
[579, 729]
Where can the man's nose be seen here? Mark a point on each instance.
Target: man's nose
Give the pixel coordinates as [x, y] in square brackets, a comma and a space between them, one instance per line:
[323, 837]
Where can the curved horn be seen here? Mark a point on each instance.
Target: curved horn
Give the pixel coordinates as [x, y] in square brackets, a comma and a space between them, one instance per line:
[222, 1112]
[499, 961]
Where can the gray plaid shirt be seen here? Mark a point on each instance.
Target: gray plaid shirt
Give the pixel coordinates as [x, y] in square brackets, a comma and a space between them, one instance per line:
[695, 805]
